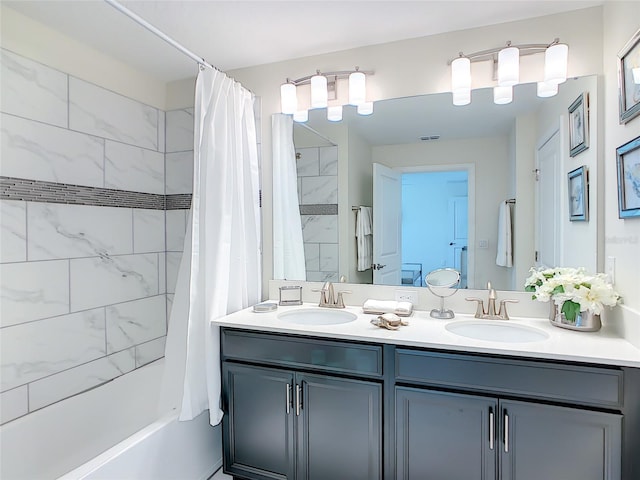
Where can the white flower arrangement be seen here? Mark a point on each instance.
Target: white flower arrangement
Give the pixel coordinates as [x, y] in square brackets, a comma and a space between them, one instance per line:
[572, 289]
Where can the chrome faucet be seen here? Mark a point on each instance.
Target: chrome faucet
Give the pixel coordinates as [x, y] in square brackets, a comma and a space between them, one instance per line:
[491, 313]
[328, 297]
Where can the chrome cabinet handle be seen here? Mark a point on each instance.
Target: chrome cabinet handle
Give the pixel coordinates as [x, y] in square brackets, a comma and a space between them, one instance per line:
[491, 428]
[288, 398]
[506, 432]
[298, 391]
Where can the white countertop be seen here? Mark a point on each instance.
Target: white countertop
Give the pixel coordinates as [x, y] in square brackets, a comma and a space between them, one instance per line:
[603, 347]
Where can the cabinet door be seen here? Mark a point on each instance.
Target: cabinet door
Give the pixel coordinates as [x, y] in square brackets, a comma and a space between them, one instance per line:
[259, 423]
[445, 436]
[549, 442]
[339, 429]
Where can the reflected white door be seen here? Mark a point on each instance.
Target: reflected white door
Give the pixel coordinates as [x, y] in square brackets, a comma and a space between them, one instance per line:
[387, 225]
[458, 233]
[547, 232]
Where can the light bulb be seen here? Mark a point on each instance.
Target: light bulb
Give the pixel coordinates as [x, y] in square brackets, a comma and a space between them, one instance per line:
[462, 97]
[460, 75]
[319, 94]
[365, 108]
[508, 67]
[357, 88]
[334, 114]
[288, 98]
[301, 116]
[547, 89]
[502, 95]
[555, 63]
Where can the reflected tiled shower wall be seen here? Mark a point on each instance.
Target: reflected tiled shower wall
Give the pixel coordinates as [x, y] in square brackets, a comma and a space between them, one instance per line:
[84, 283]
[318, 196]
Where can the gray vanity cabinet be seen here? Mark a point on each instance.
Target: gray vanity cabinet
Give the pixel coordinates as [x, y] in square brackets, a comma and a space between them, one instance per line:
[311, 422]
[446, 434]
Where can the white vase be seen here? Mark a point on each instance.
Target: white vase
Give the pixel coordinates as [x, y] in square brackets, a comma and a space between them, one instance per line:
[585, 321]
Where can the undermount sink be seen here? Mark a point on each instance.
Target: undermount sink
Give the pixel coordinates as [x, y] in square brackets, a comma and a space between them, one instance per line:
[317, 316]
[499, 331]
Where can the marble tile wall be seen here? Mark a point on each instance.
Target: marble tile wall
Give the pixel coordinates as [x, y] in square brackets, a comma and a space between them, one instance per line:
[84, 238]
[318, 196]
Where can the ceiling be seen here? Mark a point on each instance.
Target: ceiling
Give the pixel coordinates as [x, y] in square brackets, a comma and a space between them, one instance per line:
[236, 34]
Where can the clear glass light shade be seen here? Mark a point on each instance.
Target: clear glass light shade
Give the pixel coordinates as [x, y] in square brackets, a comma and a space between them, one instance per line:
[502, 95]
[357, 88]
[334, 114]
[461, 75]
[636, 75]
[462, 97]
[301, 116]
[319, 94]
[365, 108]
[508, 67]
[288, 98]
[547, 89]
[555, 63]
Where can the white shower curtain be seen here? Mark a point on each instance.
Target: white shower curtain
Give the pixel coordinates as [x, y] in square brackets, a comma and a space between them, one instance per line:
[288, 247]
[220, 270]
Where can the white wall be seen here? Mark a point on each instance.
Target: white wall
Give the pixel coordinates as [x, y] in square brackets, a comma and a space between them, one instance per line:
[621, 237]
[419, 66]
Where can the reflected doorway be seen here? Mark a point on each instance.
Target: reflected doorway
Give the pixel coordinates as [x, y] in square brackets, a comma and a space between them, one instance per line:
[434, 224]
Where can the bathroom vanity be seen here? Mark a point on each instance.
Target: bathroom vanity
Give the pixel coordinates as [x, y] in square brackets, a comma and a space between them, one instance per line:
[354, 401]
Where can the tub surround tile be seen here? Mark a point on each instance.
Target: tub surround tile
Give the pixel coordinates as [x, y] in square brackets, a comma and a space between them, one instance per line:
[38, 349]
[320, 228]
[150, 351]
[106, 114]
[148, 230]
[179, 130]
[162, 118]
[162, 272]
[179, 172]
[103, 281]
[328, 257]
[312, 256]
[131, 168]
[173, 265]
[136, 322]
[13, 231]
[308, 165]
[322, 277]
[320, 190]
[69, 231]
[32, 90]
[15, 403]
[176, 226]
[328, 160]
[76, 380]
[33, 290]
[169, 306]
[38, 151]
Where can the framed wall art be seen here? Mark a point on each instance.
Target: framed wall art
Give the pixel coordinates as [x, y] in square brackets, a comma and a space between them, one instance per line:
[629, 79]
[578, 195]
[579, 125]
[628, 162]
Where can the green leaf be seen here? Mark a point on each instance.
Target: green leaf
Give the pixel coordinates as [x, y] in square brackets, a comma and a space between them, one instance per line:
[529, 288]
[558, 289]
[570, 310]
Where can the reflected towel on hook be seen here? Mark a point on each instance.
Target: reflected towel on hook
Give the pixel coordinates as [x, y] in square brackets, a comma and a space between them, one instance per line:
[504, 256]
[364, 237]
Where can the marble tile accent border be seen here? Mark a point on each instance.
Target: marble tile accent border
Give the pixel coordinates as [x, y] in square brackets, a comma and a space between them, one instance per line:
[51, 192]
[319, 209]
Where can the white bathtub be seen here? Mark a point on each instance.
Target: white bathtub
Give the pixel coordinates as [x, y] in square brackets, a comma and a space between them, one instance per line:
[111, 432]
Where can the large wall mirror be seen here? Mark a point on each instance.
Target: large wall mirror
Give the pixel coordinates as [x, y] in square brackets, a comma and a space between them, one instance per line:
[455, 167]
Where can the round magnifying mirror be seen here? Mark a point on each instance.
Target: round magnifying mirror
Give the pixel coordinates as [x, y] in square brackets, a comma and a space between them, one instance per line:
[442, 283]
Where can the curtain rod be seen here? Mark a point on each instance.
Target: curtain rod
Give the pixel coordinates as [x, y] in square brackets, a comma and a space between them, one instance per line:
[141, 21]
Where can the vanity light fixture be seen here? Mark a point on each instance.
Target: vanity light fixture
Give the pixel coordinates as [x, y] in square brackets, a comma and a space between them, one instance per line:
[323, 91]
[506, 70]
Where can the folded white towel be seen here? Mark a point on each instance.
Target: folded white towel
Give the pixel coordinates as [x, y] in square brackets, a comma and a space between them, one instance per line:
[504, 255]
[364, 238]
[402, 309]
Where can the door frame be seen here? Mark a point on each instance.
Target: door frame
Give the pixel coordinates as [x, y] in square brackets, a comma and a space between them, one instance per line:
[470, 168]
